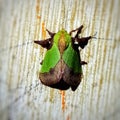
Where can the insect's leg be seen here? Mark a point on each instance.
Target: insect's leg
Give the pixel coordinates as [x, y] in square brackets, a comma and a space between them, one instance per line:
[78, 29]
[41, 62]
[50, 33]
[83, 63]
[82, 42]
[45, 43]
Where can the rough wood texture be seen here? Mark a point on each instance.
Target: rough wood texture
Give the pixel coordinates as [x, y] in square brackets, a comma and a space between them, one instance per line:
[22, 96]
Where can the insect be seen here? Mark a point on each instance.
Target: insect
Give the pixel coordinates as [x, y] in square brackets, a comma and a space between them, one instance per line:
[61, 67]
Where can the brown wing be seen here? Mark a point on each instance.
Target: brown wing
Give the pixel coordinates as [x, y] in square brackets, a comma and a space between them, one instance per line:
[61, 77]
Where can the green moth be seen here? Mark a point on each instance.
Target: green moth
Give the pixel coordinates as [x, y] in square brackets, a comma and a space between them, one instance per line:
[62, 65]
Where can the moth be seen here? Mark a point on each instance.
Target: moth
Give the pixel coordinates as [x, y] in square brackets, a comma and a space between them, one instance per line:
[61, 67]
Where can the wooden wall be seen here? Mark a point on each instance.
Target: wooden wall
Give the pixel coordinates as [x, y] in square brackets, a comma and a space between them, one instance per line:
[22, 96]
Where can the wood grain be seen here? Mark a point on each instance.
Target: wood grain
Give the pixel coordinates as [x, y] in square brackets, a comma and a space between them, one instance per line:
[22, 96]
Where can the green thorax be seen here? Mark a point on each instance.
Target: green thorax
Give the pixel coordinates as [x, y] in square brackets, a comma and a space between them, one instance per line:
[62, 39]
[61, 49]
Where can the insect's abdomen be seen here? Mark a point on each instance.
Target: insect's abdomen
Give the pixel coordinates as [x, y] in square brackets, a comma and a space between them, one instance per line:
[61, 77]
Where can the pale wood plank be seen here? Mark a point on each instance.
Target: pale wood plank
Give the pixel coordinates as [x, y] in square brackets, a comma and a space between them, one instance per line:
[22, 96]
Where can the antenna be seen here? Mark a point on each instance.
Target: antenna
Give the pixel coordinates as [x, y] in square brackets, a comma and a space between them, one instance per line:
[94, 36]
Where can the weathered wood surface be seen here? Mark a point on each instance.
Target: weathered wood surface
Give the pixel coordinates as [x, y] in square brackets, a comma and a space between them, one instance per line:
[22, 96]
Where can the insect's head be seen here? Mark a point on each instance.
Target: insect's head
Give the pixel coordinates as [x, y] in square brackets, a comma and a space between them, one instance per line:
[62, 38]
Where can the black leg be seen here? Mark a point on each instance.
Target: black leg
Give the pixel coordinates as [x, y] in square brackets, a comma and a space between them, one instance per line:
[78, 30]
[45, 43]
[82, 42]
[41, 62]
[50, 33]
[83, 63]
